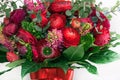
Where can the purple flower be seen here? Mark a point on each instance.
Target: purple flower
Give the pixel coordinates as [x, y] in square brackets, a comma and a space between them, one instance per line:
[17, 16]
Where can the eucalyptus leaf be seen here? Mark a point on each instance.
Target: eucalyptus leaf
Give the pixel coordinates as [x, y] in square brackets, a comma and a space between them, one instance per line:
[74, 53]
[68, 13]
[104, 56]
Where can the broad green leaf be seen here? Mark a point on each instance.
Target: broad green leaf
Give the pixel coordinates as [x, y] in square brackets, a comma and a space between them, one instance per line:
[91, 68]
[88, 40]
[104, 56]
[16, 63]
[5, 71]
[74, 53]
[3, 57]
[60, 62]
[29, 67]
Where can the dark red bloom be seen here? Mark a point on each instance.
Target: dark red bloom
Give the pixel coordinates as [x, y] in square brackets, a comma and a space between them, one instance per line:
[57, 21]
[60, 6]
[102, 37]
[45, 51]
[102, 19]
[17, 16]
[10, 29]
[26, 37]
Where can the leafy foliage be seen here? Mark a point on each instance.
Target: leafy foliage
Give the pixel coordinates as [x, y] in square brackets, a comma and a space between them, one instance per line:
[104, 56]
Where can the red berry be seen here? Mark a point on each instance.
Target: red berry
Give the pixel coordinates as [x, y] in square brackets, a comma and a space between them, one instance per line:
[11, 56]
[60, 6]
[57, 21]
[75, 23]
[71, 37]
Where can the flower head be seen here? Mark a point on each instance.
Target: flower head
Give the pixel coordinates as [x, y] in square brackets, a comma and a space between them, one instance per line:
[54, 37]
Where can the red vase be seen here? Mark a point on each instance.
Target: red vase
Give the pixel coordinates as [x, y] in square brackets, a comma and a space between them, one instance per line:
[52, 74]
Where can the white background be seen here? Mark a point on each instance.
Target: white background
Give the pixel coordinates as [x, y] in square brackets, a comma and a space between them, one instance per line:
[109, 71]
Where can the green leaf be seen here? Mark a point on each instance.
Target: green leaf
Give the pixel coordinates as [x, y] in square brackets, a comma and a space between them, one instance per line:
[60, 62]
[91, 68]
[7, 12]
[16, 63]
[88, 40]
[38, 17]
[13, 4]
[68, 13]
[3, 57]
[5, 71]
[74, 53]
[29, 67]
[104, 56]
[3, 49]
[38, 28]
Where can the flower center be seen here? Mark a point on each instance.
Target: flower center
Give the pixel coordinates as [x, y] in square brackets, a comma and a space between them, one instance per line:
[47, 50]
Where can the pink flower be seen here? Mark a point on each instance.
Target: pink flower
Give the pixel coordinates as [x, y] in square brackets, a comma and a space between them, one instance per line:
[35, 7]
[54, 38]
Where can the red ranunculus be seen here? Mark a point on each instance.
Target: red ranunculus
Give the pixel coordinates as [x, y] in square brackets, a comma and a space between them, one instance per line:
[104, 23]
[26, 36]
[57, 21]
[102, 37]
[17, 16]
[10, 29]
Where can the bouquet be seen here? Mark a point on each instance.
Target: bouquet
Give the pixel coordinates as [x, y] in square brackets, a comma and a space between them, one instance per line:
[56, 34]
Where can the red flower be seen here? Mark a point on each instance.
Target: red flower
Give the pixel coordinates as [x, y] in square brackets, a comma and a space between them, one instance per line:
[57, 21]
[46, 51]
[71, 37]
[102, 37]
[104, 22]
[11, 56]
[44, 20]
[60, 6]
[17, 16]
[26, 36]
[10, 29]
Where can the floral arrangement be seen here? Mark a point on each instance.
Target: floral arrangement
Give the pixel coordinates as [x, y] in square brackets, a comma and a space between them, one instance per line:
[56, 33]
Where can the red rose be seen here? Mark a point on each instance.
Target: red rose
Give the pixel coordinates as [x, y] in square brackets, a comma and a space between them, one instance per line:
[17, 16]
[10, 29]
[26, 36]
